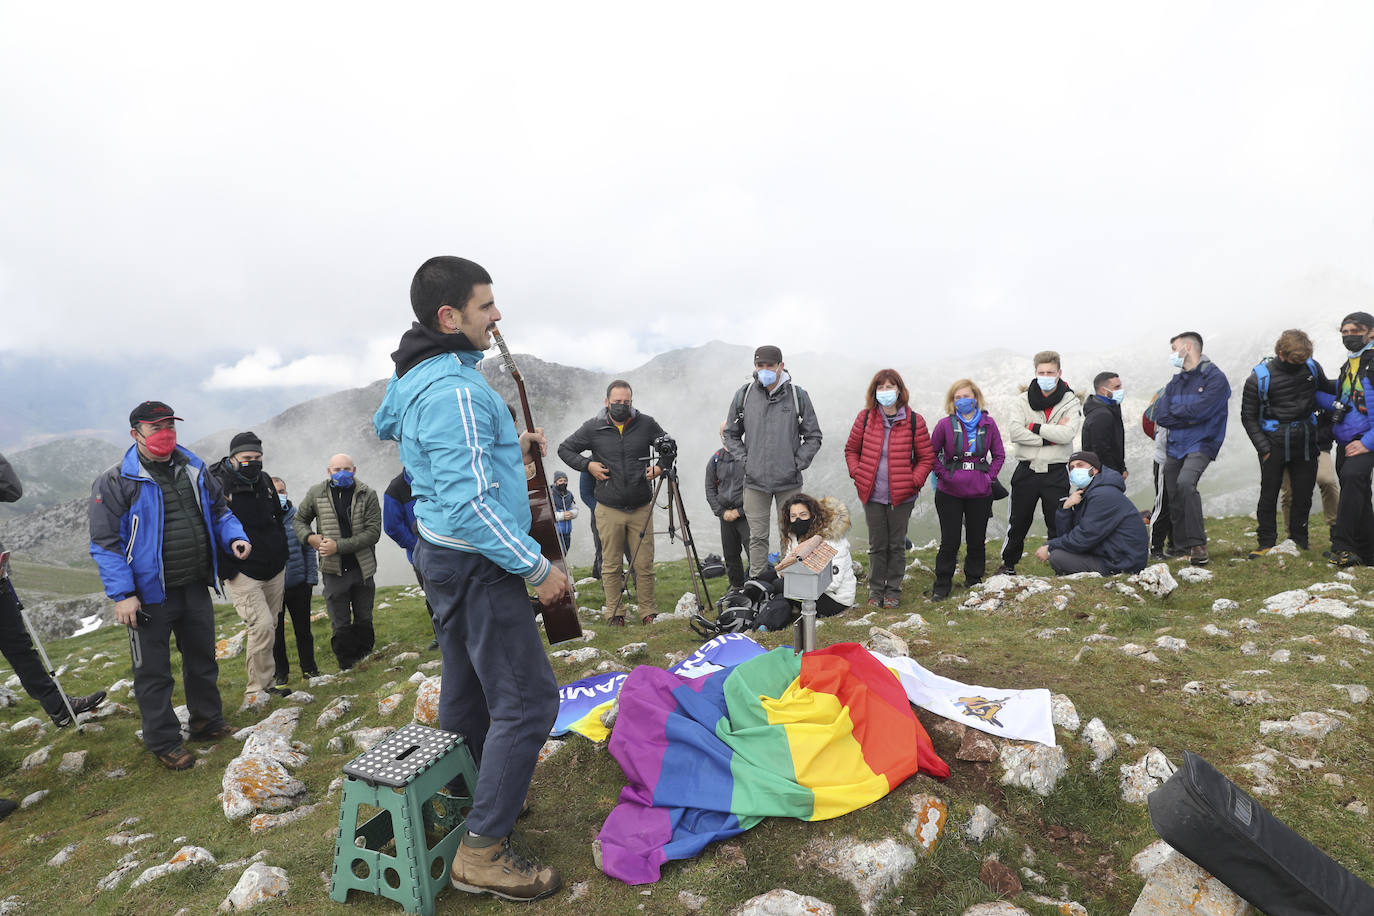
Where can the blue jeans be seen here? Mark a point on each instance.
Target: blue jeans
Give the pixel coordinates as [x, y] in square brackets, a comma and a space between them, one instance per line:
[498, 690]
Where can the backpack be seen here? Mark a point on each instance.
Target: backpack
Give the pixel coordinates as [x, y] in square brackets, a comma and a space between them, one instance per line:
[910, 422]
[713, 567]
[1269, 424]
[735, 613]
[980, 446]
[738, 403]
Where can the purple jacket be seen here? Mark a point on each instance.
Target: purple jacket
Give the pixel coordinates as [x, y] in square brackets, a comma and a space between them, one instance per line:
[965, 483]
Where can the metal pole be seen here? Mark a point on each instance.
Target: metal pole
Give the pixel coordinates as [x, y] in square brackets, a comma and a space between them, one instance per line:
[806, 627]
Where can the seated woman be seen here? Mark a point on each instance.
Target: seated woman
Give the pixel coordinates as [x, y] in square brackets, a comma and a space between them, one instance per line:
[801, 517]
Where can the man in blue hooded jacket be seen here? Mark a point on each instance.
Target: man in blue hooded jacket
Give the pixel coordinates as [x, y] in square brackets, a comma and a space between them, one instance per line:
[476, 556]
[1193, 409]
[1099, 529]
[1352, 537]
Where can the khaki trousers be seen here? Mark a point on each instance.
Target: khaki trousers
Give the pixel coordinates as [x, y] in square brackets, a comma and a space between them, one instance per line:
[1326, 482]
[259, 604]
[619, 529]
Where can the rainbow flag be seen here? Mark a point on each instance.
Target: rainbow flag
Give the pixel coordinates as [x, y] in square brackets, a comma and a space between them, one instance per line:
[810, 736]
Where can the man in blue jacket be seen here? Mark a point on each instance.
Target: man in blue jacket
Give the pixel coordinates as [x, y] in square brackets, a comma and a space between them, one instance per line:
[1099, 529]
[1352, 537]
[1193, 409]
[158, 523]
[472, 514]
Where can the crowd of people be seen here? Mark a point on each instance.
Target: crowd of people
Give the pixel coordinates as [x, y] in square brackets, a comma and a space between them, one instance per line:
[166, 527]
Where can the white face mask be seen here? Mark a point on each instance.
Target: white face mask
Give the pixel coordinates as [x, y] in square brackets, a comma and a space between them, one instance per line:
[1176, 360]
[1046, 382]
[886, 397]
[1119, 395]
[1079, 478]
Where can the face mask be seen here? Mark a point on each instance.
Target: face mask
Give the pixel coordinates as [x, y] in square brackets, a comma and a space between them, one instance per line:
[767, 377]
[1046, 383]
[965, 405]
[561, 487]
[1080, 477]
[1353, 343]
[161, 443]
[619, 412]
[1119, 395]
[1176, 360]
[887, 397]
[341, 478]
[250, 469]
[800, 526]
[282, 499]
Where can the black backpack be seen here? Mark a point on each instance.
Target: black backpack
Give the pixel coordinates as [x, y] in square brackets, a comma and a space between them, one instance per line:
[713, 567]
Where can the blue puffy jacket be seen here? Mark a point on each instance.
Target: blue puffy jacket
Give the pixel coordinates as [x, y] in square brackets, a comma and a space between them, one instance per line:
[1193, 409]
[126, 526]
[1105, 524]
[398, 514]
[301, 566]
[459, 444]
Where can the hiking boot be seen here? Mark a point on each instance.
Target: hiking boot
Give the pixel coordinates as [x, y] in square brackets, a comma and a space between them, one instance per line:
[502, 870]
[309, 674]
[648, 619]
[1259, 552]
[1005, 570]
[279, 691]
[939, 591]
[1342, 558]
[1173, 553]
[1198, 555]
[890, 603]
[221, 731]
[1158, 553]
[79, 705]
[178, 758]
[280, 680]
[874, 601]
[616, 621]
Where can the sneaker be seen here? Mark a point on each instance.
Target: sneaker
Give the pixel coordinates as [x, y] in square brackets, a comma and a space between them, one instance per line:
[874, 601]
[1005, 570]
[1259, 552]
[219, 732]
[1198, 555]
[503, 871]
[1158, 553]
[178, 758]
[433, 644]
[616, 621]
[1342, 558]
[309, 674]
[279, 691]
[280, 680]
[939, 591]
[890, 603]
[1173, 553]
[79, 705]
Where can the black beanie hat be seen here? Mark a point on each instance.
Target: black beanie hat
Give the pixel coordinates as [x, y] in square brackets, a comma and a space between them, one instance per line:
[1364, 319]
[1090, 457]
[245, 442]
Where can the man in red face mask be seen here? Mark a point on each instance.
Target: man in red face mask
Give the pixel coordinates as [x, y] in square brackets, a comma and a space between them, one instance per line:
[158, 520]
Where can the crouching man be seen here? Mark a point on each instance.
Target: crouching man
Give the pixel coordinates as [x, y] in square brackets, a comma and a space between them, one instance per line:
[1099, 529]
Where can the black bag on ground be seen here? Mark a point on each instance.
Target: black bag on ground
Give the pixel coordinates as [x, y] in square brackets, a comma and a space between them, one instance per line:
[713, 567]
[775, 613]
[1214, 822]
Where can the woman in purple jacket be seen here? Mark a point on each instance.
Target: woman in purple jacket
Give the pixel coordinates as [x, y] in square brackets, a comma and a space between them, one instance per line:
[968, 455]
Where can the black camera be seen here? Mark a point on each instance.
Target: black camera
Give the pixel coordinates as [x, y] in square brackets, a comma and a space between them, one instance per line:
[666, 448]
[1338, 411]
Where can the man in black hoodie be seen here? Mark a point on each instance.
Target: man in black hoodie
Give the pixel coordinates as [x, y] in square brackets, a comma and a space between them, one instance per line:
[256, 584]
[1104, 434]
[618, 438]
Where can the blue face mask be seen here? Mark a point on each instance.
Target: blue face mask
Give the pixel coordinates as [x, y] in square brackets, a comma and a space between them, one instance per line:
[1079, 478]
[1119, 395]
[1176, 360]
[965, 405]
[281, 499]
[341, 478]
[886, 397]
[767, 377]
[1046, 382]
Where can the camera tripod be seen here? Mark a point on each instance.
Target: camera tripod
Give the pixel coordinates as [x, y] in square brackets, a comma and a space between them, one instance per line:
[677, 514]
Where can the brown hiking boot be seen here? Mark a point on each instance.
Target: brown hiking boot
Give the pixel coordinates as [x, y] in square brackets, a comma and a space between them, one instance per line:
[1198, 555]
[502, 870]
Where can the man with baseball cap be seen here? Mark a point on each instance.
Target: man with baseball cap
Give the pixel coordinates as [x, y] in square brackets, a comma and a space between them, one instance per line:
[772, 429]
[256, 584]
[158, 524]
[1098, 528]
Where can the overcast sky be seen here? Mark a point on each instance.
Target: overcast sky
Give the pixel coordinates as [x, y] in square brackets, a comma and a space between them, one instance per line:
[894, 178]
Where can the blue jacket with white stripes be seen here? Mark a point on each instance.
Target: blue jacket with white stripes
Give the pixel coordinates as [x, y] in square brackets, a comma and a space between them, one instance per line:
[460, 445]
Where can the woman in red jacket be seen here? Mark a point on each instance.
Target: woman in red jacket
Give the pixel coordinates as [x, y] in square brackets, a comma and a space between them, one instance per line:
[889, 458]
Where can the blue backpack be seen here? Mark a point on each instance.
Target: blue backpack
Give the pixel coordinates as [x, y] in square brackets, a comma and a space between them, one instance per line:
[1267, 423]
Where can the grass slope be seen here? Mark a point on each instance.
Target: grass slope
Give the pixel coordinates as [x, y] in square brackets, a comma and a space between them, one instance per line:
[1082, 837]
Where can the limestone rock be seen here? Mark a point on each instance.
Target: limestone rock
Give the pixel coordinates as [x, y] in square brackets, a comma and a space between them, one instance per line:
[259, 883]
[258, 783]
[996, 908]
[34, 798]
[1139, 652]
[264, 822]
[1300, 601]
[1281, 656]
[37, 759]
[1248, 697]
[389, 704]
[782, 902]
[914, 622]
[577, 656]
[62, 855]
[692, 903]
[1063, 712]
[551, 747]
[126, 866]
[632, 649]
[73, 763]
[1248, 623]
[1066, 907]
[405, 657]
[427, 702]
[1194, 688]
[1099, 739]
[1223, 605]
[231, 647]
[1194, 575]
[27, 728]
[1358, 693]
[367, 738]
[872, 868]
[885, 642]
[1303, 725]
[976, 746]
[1033, 766]
[1209, 629]
[1141, 778]
[981, 824]
[1346, 631]
[930, 817]
[1150, 858]
[1171, 644]
[1177, 887]
[185, 857]
[1156, 579]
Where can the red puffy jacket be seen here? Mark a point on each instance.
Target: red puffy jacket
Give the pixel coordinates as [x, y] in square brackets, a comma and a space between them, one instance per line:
[909, 460]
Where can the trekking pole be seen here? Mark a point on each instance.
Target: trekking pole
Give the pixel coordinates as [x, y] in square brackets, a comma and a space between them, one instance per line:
[38, 643]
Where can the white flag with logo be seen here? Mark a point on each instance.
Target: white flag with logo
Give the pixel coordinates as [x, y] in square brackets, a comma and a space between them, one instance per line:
[1021, 715]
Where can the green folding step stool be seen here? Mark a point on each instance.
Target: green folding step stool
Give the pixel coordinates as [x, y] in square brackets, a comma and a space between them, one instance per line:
[402, 776]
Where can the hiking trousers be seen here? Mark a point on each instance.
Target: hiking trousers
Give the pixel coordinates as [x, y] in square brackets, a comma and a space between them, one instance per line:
[497, 689]
[734, 545]
[1029, 488]
[185, 612]
[623, 531]
[17, 647]
[259, 604]
[1354, 528]
[296, 602]
[1181, 477]
[887, 547]
[966, 517]
[1273, 472]
[760, 508]
[1066, 563]
[1326, 483]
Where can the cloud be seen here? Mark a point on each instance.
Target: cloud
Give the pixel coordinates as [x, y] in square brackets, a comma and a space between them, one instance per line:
[266, 368]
